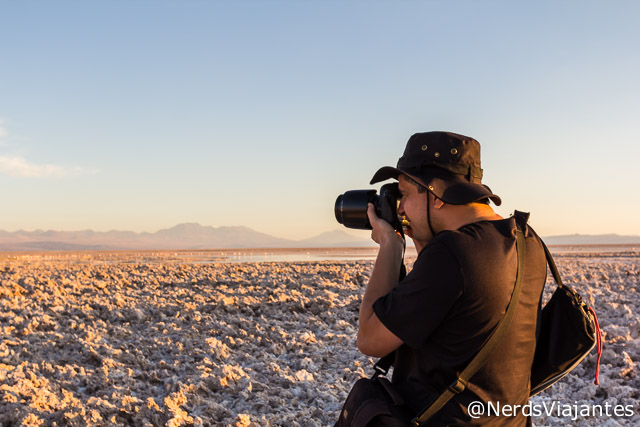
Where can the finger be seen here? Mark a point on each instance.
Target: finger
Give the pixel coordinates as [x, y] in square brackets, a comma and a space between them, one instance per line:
[371, 213]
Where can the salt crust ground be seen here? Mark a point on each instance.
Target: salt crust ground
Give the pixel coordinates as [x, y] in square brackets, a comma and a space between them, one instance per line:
[269, 344]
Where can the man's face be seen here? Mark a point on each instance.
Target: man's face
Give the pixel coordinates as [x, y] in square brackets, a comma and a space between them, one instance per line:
[413, 205]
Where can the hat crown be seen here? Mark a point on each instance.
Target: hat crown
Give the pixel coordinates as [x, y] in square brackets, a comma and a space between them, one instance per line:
[452, 152]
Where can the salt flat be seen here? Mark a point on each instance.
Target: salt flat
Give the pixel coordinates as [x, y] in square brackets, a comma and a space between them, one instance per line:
[160, 339]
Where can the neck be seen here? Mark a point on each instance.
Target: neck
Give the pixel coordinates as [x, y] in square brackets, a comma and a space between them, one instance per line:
[457, 216]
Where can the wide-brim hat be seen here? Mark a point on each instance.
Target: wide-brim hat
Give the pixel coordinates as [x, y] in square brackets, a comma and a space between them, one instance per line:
[446, 163]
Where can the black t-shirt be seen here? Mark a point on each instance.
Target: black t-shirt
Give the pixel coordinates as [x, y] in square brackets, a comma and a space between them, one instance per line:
[448, 305]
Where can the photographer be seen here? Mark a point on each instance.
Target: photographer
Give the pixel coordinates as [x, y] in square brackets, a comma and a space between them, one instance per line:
[438, 317]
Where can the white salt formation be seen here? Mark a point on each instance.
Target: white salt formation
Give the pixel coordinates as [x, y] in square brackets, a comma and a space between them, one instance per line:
[264, 344]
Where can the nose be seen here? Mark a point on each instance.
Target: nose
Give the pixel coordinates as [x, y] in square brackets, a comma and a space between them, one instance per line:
[401, 208]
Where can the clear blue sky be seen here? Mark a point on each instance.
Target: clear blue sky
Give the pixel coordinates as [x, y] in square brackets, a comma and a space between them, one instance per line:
[139, 115]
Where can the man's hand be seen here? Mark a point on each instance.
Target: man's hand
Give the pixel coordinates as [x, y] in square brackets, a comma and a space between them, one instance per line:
[383, 233]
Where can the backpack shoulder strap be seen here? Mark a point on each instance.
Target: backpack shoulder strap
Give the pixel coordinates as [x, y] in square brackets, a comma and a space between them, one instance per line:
[552, 265]
[488, 348]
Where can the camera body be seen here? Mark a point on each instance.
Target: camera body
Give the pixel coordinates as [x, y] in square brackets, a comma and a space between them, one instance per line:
[351, 207]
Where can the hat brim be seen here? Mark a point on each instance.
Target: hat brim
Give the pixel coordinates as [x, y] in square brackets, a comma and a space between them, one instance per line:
[385, 173]
[450, 188]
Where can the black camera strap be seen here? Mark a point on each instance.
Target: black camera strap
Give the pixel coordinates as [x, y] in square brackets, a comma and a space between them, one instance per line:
[403, 268]
[383, 364]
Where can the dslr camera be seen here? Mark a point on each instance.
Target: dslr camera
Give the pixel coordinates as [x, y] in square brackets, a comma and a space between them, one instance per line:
[351, 207]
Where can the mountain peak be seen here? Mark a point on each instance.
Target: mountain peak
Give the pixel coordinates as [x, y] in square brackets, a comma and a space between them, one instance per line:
[185, 226]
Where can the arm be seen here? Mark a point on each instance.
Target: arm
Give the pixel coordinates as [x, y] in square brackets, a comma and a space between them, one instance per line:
[374, 339]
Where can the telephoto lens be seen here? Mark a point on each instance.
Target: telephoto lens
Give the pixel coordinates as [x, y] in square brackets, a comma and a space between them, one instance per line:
[351, 207]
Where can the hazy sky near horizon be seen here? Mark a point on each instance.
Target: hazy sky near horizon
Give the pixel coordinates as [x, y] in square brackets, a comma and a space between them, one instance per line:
[139, 115]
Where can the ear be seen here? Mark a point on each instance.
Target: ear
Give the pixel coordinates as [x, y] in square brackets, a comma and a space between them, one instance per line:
[437, 203]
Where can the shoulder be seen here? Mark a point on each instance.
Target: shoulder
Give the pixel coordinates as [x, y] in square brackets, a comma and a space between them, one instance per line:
[479, 233]
[476, 245]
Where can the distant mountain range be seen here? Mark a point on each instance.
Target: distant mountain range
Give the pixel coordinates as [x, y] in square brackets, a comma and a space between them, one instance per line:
[585, 239]
[196, 236]
[182, 236]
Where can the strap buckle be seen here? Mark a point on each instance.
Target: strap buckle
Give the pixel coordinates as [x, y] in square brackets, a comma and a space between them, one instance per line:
[379, 371]
[457, 386]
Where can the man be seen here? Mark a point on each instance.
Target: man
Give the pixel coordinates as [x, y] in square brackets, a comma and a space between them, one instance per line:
[439, 316]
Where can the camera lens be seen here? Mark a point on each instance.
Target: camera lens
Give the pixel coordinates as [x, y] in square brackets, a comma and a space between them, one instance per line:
[351, 208]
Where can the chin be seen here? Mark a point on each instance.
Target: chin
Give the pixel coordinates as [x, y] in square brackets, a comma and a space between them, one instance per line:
[408, 232]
